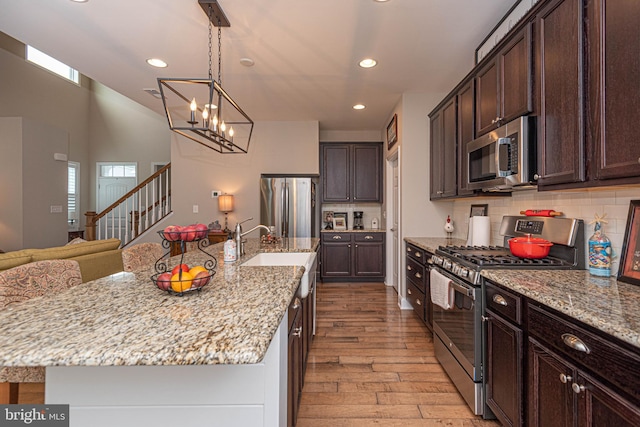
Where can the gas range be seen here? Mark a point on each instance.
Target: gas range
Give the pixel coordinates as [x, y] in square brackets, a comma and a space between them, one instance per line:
[466, 262]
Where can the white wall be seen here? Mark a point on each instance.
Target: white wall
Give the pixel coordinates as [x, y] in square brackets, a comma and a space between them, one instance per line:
[276, 147]
[32, 182]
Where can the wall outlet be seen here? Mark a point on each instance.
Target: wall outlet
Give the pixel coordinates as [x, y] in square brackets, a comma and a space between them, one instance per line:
[215, 193]
[195, 208]
[55, 208]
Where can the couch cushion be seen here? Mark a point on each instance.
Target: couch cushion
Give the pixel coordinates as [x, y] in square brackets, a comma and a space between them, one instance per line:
[14, 259]
[64, 252]
[95, 266]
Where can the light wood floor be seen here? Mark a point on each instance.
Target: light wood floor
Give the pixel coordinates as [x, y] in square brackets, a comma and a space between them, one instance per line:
[374, 364]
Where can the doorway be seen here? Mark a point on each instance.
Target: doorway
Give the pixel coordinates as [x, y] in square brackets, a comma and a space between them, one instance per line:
[393, 222]
[114, 180]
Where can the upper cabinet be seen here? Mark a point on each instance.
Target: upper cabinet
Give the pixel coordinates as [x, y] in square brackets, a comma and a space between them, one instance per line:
[504, 85]
[466, 126]
[351, 173]
[443, 150]
[558, 74]
[614, 93]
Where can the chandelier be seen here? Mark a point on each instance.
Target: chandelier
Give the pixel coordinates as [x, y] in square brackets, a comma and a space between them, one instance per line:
[201, 109]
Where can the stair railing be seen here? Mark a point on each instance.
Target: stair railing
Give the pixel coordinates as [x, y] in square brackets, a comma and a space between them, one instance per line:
[135, 212]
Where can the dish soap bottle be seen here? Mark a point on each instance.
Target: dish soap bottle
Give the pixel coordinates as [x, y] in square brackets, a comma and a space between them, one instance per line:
[599, 249]
[230, 253]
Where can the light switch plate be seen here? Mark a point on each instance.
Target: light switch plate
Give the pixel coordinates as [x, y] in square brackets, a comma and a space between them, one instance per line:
[56, 209]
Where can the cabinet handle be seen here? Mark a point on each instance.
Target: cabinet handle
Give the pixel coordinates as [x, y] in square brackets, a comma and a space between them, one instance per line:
[296, 304]
[408, 249]
[409, 291]
[356, 246]
[575, 343]
[485, 318]
[536, 176]
[418, 302]
[565, 378]
[577, 389]
[349, 246]
[297, 332]
[499, 299]
[409, 268]
[418, 276]
[439, 192]
[337, 237]
[367, 237]
[418, 254]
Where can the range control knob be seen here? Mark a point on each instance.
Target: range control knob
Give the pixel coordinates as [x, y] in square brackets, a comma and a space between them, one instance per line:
[446, 264]
[463, 272]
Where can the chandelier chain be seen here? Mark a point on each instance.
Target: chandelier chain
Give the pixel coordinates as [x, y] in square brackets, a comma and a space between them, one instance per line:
[219, 52]
[210, 43]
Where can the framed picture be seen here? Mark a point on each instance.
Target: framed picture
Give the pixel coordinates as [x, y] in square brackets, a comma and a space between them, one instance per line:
[339, 223]
[629, 270]
[342, 220]
[479, 210]
[392, 132]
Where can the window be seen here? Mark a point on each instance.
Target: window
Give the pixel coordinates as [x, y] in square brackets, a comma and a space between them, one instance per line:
[118, 170]
[73, 192]
[52, 64]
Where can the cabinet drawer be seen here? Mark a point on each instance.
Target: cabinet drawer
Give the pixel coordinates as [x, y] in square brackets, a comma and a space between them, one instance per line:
[416, 273]
[613, 364]
[417, 299]
[368, 237]
[416, 253]
[504, 303]
[336, 237]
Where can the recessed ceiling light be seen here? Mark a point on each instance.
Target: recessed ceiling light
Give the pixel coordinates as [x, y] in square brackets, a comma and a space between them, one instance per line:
[368, 63]
[247, 62]
[155, 62]
[79, 1]
[380, 1]
[359, 107]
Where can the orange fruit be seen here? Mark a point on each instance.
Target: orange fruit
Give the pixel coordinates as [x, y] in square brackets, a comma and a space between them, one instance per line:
[181, 284]
[197, 269]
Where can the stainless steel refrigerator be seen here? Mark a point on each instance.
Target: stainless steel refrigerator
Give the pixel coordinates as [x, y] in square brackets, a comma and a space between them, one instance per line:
[289, 203]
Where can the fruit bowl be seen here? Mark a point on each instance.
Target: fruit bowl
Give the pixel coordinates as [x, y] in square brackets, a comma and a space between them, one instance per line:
[182, 283]
[187, 233]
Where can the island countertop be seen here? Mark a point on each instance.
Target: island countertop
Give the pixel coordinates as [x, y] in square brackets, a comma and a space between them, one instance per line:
[124, 319]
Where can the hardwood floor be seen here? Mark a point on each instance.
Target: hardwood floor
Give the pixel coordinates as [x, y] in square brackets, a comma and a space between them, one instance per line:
[374, 364]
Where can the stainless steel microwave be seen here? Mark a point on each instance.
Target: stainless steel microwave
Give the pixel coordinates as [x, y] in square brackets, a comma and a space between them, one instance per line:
[504, 159]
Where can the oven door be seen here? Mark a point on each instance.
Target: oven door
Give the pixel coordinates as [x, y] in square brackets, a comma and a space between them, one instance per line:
[460, 327]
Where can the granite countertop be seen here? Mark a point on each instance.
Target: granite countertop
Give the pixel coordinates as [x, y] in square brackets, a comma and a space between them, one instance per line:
[603, 303]
[124, 319]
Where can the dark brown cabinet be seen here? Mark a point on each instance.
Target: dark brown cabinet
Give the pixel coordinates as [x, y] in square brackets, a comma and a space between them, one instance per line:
[295, 355]
[353, 256]
[614, 107]
[505, 353]
[443, 151]
[504, 85]
[351, 173]
[418, 286]
[559, 76]
[578, 376]
[466, 133]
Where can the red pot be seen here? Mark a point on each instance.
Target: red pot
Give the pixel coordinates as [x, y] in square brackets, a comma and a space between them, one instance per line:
[530, 247]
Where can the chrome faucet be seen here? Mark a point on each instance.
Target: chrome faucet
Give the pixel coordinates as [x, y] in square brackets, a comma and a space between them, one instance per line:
[240, 235]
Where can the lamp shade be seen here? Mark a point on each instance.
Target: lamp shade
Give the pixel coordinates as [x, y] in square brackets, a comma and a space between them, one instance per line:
[225, 203]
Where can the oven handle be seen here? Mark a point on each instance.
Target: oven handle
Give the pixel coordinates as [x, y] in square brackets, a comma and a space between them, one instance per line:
[465, 290]
[462, 289]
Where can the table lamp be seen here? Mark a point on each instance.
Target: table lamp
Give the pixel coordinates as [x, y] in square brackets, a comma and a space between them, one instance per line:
[225, 204]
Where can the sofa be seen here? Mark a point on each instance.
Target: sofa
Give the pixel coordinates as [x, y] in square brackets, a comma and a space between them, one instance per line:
[97, 258]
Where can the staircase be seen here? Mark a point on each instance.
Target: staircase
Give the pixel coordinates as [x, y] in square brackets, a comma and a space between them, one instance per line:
[135, 212]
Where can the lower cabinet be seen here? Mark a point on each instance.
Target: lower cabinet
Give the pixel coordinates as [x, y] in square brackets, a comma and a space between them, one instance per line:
[418, 288]
[353, 256]
[295, 353]
[546, 369]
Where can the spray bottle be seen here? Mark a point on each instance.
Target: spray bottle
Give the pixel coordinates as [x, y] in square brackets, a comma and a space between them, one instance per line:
[599, 249]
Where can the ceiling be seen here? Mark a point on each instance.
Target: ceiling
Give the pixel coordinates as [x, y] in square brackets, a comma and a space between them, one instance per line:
[306, 52]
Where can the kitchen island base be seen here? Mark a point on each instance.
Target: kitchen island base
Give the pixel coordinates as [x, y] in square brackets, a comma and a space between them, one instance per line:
[188, 396]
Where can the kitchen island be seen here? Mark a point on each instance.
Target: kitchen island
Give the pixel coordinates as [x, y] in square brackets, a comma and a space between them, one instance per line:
[122, 352]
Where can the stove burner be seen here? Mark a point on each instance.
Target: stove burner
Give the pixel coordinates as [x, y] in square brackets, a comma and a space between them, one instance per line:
[495, 256]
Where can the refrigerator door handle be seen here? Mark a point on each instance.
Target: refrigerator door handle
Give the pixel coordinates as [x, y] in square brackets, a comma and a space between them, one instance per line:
[282, 208]
[285, 229]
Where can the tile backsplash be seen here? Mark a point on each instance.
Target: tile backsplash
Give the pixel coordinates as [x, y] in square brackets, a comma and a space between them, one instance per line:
[582, 204]
[369, 212]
